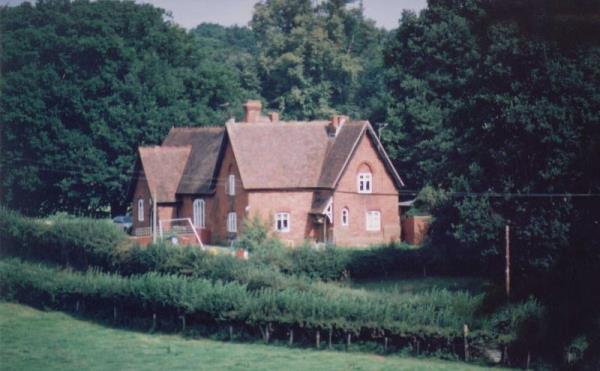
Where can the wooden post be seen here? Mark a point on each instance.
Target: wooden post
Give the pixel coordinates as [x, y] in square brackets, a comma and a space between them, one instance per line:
[507, 240]
[330, 336]
[153, 322]
[528, 360]
[318, 339]
[114, 312]
[385, 344]
[466, 334]
[348, 340]
[182, 322]
[291, 337]
[230, 332]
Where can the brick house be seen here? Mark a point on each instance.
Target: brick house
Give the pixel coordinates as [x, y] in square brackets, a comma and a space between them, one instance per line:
[322, 181]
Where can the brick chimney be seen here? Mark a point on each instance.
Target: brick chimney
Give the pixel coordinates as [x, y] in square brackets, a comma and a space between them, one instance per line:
[336, 123]
[274, 116]
[252, 110]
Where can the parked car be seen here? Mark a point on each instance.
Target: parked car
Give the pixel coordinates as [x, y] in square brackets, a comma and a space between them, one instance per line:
[124, 222]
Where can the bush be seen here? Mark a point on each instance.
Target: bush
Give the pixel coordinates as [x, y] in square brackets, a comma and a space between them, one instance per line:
[79, 242]
[434, 317]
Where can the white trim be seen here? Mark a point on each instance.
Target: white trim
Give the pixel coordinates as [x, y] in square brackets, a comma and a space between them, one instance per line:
[232, 222]
[140, 210]
[345, 219]
[364, 183]
[285, 220]
[199, 213]
[231, 185]
[373, 220]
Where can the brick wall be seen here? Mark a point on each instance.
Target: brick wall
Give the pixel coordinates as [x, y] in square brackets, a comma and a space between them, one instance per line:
[265, 204]
[384, 198]
[414, 229]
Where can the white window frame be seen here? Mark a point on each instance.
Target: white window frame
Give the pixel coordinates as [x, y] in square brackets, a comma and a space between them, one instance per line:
[281, 218]
[232, 222]
[199, 213]
[373, 220]
[140, 210]
[364, 182]
[231, 185]
[345, 219]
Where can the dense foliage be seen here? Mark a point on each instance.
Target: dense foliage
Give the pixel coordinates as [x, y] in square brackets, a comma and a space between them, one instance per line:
[83, 85]
[434, 318]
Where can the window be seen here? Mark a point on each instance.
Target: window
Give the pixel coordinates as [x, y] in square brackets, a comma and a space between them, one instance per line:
[231, 185]
[140, 210]
[364, 182]
[198, 207]
[282, 222]
[373, 220]
[345, 216]
[232, 222]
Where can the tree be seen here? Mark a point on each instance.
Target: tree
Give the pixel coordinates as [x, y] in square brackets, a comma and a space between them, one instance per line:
[483, 106]
[85, 83]
[313, 59]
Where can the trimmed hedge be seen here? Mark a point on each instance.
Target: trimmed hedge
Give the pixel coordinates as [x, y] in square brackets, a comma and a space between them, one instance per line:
[77, 242]
[83, 243]
[434, 315]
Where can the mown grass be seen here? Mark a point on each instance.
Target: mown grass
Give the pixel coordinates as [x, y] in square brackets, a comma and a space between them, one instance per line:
[415, 285]
[31, 339]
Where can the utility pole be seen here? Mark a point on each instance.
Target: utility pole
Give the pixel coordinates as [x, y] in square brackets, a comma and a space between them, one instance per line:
[507, 256]
[154, 218]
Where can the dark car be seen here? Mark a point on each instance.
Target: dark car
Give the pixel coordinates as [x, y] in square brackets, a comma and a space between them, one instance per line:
[124, 222]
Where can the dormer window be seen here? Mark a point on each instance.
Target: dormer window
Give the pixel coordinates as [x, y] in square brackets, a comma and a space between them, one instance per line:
[231, 185]
[364, 182]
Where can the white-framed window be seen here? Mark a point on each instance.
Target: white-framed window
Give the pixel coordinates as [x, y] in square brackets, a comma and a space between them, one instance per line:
[345, 217]
[140, 210]
[282, 222]
[199, 213]
[364, 182]
[373, 220]
[231, 222]
[231, 185]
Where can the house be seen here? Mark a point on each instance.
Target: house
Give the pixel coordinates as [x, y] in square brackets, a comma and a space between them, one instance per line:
[322, 181]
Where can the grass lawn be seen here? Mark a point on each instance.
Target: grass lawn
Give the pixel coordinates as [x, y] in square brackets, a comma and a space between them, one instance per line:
[414, 285]
[31, 339]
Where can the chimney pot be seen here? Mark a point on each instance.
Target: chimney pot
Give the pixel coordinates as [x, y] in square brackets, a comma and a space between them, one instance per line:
[252, 110]
[274, 116]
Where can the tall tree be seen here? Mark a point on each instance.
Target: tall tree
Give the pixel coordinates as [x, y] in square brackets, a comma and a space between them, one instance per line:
[484, 104]
[83, 84]
[313, 58]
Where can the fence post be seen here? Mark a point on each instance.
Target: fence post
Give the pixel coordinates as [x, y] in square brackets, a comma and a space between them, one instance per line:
[465, 335]
[318, 339]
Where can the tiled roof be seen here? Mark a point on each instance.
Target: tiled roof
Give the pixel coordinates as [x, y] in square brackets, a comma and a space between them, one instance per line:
[279, 155]
[163, 167]
[269, 155]
[201, 167]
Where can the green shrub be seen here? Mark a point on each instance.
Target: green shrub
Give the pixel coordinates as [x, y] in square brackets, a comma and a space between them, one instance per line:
[79, 242]
[432, 315]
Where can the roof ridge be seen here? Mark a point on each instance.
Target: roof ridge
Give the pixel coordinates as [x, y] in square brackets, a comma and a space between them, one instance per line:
[192, 128]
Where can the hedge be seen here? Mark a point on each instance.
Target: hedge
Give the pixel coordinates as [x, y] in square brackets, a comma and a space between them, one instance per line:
[435, 318]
